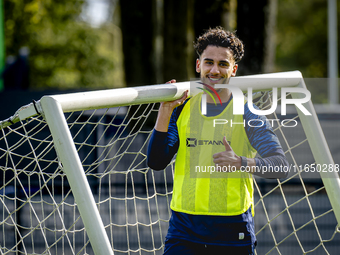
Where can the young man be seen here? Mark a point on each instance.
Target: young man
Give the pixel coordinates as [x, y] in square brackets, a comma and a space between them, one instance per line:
[212, 214]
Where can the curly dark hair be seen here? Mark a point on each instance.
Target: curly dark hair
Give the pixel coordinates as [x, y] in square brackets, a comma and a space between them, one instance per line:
[220, 37]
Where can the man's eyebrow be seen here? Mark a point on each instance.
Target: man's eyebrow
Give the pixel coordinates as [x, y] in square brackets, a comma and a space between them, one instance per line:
[224, 61]
[221, 61]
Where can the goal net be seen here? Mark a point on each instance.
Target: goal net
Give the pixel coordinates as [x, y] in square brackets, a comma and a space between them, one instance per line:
[75, 179]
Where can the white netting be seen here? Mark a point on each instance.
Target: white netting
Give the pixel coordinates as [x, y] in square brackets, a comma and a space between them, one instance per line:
[293, 216]
[39, 214]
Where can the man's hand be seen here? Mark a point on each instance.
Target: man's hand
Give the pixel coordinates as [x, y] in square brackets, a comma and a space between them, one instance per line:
[166, 109]
[227, 157]
[171, 105]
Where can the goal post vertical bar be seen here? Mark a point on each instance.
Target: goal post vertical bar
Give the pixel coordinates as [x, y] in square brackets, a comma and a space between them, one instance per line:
[68, 155]
[320, 150]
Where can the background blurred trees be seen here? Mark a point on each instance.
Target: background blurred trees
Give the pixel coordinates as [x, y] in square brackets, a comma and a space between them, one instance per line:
[302, 37]
[150, 41]
[302, 42]
[65, 52]
[178, 23]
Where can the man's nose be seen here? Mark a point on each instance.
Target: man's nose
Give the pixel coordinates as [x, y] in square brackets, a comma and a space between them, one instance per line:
[214, 69]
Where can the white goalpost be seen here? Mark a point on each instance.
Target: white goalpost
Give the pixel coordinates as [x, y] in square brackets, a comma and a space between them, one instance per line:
[75, 178]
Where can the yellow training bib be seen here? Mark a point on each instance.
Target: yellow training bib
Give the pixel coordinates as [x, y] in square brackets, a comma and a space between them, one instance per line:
[198, 187]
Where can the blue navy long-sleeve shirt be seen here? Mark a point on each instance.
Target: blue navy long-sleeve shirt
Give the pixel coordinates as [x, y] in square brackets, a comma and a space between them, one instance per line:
[217, 230]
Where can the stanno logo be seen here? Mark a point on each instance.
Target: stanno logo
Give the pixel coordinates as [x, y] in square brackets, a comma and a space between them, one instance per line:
[193, 142]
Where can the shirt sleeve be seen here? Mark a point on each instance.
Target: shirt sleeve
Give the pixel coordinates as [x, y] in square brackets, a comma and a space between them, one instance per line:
[263, 139]
[164, 145]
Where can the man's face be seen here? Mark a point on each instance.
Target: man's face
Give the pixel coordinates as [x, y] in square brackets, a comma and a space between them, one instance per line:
[216, 65]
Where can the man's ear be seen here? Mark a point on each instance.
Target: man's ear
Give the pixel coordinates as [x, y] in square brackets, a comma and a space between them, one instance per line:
[198, 65]
[234, 70]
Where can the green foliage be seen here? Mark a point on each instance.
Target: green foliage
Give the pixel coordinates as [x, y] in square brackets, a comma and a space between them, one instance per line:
[302, 36]
[302, 41]
[65, 53]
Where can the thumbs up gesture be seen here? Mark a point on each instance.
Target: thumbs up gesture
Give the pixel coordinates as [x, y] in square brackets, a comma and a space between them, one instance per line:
[227, 157]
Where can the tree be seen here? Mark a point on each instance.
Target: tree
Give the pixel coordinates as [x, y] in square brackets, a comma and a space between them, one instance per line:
[168, 28]
[251, 30]
[178, 38]
[65, 52]
[137, 27]
[302, 42]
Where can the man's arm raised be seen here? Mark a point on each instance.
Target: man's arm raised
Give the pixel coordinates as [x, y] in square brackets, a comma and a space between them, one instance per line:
[163, 142]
